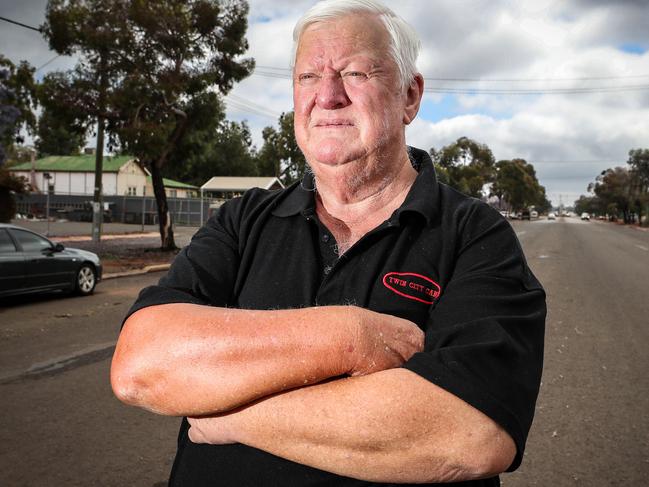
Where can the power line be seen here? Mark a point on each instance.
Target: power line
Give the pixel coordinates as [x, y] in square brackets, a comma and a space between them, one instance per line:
[531, 91]
[250, 107]
[488, 80]
[48, 62]
[20, 24]
[525, 80]
[585, 161]
[284, 73]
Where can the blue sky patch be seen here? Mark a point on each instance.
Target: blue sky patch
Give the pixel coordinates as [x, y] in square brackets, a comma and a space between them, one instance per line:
[261, 19]
[447, 107]
[633, 48]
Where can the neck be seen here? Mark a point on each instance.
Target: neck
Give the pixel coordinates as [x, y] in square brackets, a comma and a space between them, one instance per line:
[351, 205]
[363, 185]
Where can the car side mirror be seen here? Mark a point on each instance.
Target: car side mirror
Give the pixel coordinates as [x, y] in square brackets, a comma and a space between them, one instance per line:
[58, 247]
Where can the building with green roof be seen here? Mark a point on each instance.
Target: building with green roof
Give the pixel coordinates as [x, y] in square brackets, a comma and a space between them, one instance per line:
[75, 175]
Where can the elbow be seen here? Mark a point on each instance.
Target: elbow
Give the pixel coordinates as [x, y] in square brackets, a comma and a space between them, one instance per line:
[132, 372]
[489, 453]
[468, 455]
[124, 382]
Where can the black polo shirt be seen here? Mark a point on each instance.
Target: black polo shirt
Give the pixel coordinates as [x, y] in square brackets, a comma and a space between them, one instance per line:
[447, 262]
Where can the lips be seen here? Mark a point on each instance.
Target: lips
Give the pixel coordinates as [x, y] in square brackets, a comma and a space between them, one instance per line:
[334, 123]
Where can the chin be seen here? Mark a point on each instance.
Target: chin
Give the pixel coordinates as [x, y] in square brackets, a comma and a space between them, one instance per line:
[334, 153]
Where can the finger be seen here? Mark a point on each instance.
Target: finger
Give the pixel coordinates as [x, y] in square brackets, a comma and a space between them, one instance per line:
[195, 435]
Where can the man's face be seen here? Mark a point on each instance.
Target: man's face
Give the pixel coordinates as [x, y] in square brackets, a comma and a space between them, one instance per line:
[346, 91]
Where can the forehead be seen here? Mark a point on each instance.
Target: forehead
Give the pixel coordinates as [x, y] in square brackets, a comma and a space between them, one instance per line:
[348, 36]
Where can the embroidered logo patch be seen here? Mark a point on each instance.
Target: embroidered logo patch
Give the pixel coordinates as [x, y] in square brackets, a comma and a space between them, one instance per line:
[412, 286]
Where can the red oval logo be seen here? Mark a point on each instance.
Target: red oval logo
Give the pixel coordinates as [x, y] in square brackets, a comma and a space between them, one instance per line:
[412, 286]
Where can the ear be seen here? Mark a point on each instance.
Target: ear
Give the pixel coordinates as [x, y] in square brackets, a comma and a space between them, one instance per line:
[413, 99]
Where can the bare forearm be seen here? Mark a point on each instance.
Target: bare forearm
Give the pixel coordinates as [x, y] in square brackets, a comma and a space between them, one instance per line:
[184, 359]
[392, 426]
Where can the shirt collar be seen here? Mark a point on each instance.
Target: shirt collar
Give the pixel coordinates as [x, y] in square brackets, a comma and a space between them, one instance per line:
[421, 199]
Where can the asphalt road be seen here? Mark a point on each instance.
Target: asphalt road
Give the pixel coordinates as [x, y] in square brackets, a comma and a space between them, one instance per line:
[60, 425]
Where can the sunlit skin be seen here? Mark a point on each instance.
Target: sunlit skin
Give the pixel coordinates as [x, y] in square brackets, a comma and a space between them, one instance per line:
[350, 110]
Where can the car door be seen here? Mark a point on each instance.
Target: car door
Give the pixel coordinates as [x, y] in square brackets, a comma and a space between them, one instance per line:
[42, 268]
[12, 265]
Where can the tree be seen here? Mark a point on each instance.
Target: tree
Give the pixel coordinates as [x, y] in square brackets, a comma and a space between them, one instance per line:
[9, 184]
[516, 182]
[466, 165]
[280, 155]
[588, 204]
[147, 62]
[212, 145]
[17, 98]
[17, 101]
[93, 30]
[62, 127]
[639, 162]
[614, 187]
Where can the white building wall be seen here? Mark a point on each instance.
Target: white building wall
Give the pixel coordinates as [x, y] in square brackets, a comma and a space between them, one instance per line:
[78, 183]
[109, 184]
[131, 175]
[89, 182]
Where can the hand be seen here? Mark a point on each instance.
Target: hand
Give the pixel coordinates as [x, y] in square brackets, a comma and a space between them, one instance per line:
[383, 342]
[214, 430]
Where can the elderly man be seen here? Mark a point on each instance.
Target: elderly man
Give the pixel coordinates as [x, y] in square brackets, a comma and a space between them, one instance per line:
[366, 326]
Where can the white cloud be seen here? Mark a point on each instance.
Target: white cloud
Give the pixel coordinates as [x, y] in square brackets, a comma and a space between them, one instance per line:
[526, 40]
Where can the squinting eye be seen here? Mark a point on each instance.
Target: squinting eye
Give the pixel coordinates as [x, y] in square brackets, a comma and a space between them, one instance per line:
[355, 77]
[307, 79]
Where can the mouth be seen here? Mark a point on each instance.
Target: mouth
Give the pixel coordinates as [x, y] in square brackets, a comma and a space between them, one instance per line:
[335, 123]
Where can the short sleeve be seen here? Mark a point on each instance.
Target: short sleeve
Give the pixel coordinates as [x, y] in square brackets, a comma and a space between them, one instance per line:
[205, 271]
[484, 338]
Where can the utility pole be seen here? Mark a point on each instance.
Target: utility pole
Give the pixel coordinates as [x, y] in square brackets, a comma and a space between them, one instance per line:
[97, 199]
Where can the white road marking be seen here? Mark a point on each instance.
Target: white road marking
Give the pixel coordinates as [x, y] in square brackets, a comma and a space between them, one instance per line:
[642, 247]
[523, 232]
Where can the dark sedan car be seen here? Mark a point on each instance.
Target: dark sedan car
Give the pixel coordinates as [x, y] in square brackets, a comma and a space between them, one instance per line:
[31, 263]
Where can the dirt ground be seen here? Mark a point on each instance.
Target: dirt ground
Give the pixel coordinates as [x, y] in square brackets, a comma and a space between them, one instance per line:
[126, 253]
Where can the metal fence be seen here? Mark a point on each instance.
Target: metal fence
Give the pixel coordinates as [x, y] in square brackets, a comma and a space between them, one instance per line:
[118, 209]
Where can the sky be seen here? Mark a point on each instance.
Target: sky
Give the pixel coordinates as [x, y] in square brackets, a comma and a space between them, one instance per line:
[563, 84]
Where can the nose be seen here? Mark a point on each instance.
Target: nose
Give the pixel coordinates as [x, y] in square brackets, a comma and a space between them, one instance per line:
[331, 93]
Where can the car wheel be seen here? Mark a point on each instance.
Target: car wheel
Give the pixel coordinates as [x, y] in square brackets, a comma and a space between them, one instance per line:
[86, 280]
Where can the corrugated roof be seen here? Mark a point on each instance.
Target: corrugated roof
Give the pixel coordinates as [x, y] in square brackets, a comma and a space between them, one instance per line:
[82, 163]
[232, 183]
[170, 183]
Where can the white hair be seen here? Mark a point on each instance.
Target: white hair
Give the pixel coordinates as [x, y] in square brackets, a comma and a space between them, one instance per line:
[404, 41]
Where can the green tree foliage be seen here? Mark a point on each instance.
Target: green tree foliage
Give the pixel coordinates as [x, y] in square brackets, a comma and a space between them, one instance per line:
[615, 190]
[56, 136]
[639, 162]
[212, 145]
[588, 204]
[10, 184]
[62, 127]
[280, 155]
[146, 63]
[17, 99]
[516, 183]
[466, 165]
[17, 102]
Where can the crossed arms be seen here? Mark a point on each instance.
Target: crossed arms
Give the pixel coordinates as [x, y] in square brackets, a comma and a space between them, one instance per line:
[319, 386]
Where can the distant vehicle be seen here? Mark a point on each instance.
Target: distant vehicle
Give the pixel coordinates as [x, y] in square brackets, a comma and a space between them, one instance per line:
[31, 263]
[534, 214]
[525, 215]
[552, 216]
[585, 216]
